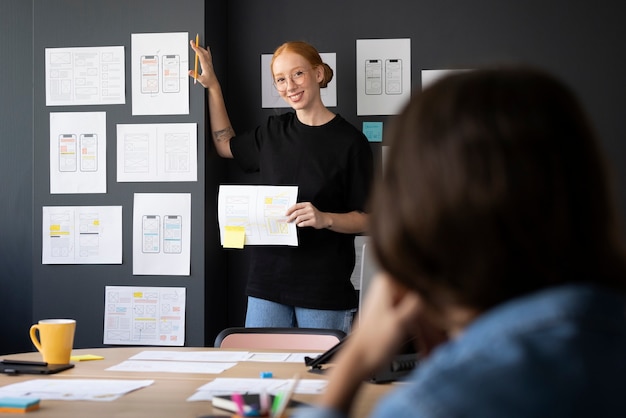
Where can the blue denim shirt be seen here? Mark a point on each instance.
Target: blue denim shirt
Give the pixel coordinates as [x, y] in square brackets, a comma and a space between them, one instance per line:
[560, 352]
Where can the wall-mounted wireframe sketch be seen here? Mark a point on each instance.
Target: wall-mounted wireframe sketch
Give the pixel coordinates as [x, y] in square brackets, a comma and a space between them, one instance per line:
[157, 152]
[85, 76]
[161, 233]
[144, 315]
[383, 75]
[160, 84]
[78, 152]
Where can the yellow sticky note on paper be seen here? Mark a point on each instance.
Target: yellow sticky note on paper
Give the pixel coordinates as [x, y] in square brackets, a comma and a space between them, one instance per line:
[235, 236]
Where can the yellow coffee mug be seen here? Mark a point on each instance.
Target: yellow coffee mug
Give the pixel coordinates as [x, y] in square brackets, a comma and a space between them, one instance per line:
[56, 339]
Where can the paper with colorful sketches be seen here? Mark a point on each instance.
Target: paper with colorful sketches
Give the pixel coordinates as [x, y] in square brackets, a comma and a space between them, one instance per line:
[260, 210]
[162, 234]
[78, 152]
[81, 235]
[144, 315]
[160, 62]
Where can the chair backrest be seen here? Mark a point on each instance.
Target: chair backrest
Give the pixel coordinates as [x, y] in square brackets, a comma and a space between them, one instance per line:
[314, 339]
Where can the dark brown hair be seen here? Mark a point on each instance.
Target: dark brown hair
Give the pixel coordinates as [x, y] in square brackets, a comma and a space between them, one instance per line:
[495, 186]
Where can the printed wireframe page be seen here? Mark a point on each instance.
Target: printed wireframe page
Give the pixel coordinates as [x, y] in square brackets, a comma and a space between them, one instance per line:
[159, 72]
[157, 152]
[144, 315]
[260, 210]
[81, 235]
[161, 234]
[78, 152]
[85, 76]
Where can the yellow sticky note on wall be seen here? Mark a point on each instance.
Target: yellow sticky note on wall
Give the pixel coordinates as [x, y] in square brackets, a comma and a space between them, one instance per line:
[235, 236]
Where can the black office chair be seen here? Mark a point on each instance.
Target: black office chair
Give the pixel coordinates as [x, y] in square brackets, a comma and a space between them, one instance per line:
[315, 339]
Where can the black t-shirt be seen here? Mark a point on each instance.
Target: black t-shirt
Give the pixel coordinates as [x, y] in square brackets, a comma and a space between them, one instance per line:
[332, 166]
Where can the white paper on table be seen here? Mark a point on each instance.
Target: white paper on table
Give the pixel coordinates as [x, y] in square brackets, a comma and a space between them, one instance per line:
[74, 389]
[261, 210]
[208, 356]
[171, 366]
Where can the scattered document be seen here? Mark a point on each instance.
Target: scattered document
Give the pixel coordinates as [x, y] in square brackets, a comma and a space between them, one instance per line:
[85, 76]
[74, 389]
[222, 385]
[218, 356]
[279, 357]
[171, 366]
[227, 356]
[157, 152]
[78, 152]
[160, 62]
[162, 234]
[258, 213]
[81, 235]
[144, 315]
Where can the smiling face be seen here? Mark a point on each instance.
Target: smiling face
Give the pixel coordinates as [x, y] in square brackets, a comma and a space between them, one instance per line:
[300, 82]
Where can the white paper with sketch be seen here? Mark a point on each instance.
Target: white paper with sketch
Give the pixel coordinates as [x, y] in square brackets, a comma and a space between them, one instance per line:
[157, 152]
[81, 235]
[85, 76]
[159, 72]
[261, 210]
[162, 234]
[78, 152]
[144, 315]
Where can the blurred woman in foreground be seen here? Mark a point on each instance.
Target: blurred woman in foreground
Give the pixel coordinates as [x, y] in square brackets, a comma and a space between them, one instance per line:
[494, 222]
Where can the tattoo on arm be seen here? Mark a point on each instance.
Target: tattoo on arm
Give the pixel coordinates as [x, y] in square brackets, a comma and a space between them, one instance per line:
[223, 134]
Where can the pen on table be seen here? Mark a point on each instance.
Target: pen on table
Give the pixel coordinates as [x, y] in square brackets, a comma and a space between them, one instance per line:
[195, 71]
[264, 402]
[282, 406]
[238, 399]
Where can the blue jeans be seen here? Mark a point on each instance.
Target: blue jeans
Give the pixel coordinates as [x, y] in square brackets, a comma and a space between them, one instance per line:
[263, 313]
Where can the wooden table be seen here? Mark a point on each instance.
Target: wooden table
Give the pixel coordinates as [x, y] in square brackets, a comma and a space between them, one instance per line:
[167, 396]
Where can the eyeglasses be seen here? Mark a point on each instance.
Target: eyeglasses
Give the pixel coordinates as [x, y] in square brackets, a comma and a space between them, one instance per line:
[297, 77]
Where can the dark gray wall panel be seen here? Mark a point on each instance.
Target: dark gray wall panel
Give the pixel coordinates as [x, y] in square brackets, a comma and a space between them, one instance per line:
[77, 291]
[16, 201]
[582, 42]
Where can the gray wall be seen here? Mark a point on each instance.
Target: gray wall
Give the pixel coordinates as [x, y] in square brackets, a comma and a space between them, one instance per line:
[582, 43]
[77, 291]
[16, 174]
